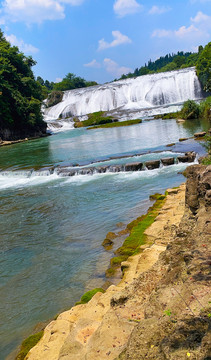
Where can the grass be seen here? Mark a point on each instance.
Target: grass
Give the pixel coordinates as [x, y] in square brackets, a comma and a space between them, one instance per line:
[137, 237]
[96, 118]
[89, 295]
[28, 344]
[117, 124]
[173, 115]
[207, 160]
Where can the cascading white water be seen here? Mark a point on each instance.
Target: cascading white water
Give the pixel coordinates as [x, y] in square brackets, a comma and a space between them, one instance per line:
[143, 94]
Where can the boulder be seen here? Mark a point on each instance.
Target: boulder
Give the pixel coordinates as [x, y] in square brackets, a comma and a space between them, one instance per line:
[188, 157]
[200, 134]
[133, 166]
[154, 164]
[167, 161]
[191, 156]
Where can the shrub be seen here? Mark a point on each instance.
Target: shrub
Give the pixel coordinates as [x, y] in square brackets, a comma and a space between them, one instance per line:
[190, 110]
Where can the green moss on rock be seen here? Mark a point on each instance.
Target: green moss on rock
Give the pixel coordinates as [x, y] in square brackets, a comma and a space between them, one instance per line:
[89, 295]
[28, 344]
[132, 243]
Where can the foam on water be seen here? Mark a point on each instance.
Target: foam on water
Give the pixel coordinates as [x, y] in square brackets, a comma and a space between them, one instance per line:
[20, 179]
[141, 94]
[23, 179]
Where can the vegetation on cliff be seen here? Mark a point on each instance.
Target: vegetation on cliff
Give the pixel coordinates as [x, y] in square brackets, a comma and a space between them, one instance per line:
[69, 82]
[191, 110]
[20, 94]
[181, 60]
[28, 344]
[203, 67]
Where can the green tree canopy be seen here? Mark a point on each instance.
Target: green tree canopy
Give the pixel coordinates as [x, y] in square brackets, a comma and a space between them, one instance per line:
[203, 67]
[20, 93]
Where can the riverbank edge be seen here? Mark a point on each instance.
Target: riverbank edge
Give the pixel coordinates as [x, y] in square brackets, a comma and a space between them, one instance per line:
[12, 142]
[129, 274]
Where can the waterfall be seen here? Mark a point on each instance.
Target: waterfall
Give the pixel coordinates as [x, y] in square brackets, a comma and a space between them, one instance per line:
[146, 95]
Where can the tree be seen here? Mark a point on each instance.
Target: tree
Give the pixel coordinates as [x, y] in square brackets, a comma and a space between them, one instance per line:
[21, 94]
[203, 67]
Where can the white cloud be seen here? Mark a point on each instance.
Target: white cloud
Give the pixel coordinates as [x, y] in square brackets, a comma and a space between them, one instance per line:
[119, 39]
[157, 10]
[189, 31]
[35, 11]
[198, 30]
[113, 68]
[58, 80]
[93, 64]
[25, 48]
[125, 7]
[200, 17]
[160, 33]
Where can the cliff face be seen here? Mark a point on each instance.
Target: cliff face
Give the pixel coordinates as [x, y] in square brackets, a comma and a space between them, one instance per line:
[161, 308]
[177, 314]
[7, 134]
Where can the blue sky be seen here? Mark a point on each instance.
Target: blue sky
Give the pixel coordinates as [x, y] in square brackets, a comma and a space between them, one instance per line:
[101, 39]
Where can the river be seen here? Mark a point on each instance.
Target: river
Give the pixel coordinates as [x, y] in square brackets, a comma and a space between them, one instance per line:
[52, 227]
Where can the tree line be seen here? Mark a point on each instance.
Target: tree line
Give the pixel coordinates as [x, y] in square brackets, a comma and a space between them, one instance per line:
[181, 60]
[69, 82]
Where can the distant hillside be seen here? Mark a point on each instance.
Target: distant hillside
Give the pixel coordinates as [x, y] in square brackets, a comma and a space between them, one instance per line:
[181, 60]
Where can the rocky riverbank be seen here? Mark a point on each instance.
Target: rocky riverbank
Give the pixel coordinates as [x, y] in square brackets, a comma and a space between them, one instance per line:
[11, 142]
[161, 308]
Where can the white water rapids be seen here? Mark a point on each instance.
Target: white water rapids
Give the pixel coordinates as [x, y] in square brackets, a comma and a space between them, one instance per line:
[131, 98]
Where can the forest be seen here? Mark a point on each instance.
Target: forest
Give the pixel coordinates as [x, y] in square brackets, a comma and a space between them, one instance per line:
[21, 94]
[181, 60]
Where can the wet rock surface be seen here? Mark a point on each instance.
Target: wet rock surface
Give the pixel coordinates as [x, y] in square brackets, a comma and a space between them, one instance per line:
[167, 161]
[154, 164]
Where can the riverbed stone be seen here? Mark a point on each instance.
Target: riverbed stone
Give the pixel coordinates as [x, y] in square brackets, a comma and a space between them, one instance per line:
[188, 157]
[154, 164]
[200, 134]
[134, 166]
[167, 161]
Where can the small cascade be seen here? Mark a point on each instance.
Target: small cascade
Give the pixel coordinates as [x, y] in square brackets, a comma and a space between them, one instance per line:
[188, 157]
[144, 94]
[69, 171]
